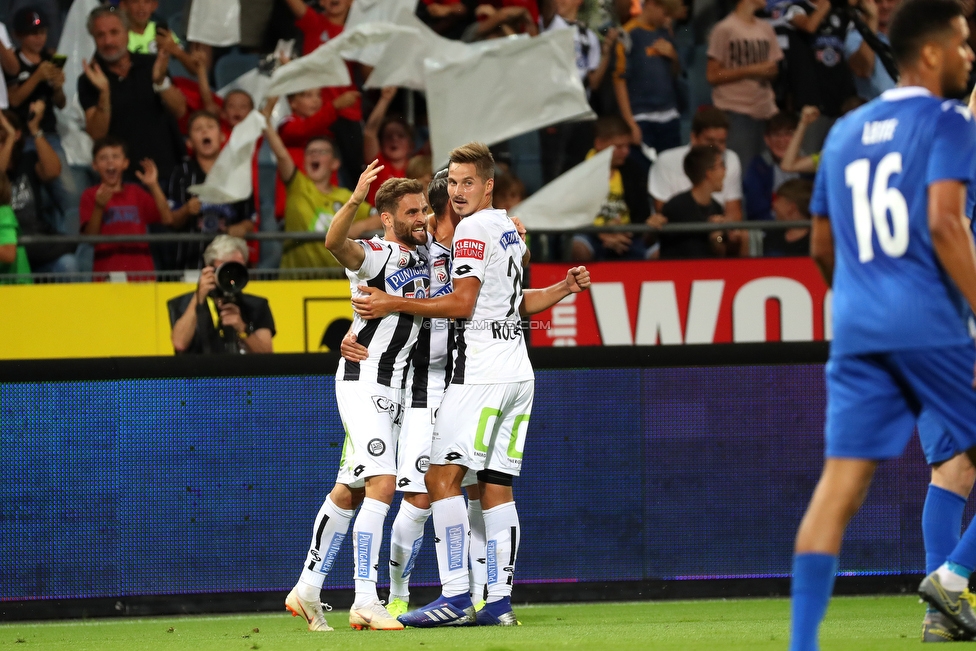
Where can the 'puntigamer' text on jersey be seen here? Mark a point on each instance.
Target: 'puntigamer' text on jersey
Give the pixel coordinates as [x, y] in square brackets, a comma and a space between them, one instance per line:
[490, 347]
[400, 272]
[890, 291]
[428, 362]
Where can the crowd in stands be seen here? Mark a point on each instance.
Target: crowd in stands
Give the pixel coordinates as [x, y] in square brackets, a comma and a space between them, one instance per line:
[780, 75]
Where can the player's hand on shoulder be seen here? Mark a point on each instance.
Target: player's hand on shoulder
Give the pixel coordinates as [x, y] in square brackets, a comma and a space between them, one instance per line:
[519, 226]
[351, 350]
[578, 279]
[372, 303]
[366, 179]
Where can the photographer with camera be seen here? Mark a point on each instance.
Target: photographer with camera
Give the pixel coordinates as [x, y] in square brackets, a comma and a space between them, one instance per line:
[218, 317]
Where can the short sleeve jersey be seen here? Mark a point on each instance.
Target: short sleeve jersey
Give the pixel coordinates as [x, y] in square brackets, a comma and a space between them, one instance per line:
[490, 347]
[399, 272]
[890, 291]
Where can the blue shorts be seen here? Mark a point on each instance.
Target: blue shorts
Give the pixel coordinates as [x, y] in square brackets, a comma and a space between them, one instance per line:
[874, 401]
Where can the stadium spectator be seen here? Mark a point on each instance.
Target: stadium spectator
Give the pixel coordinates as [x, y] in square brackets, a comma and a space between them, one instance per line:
[37, 77]
[347, 126]
[491, 22]
[449, 18]
[123, 93]
[709, 126]
[564, 145]
[205, 321]
[420, 168]
[115, 207]
[312, 201]
[743, 57]
[13, 258]
[793, 160]
[791, 203]
[27, 172]
[388, 139]
[627, 203]
[189, 213]
[145, 37]
[705, 166]
[509, 191]
[8, 64]
[764, 174]
[871, 78]
[644, 79]
[823, 79]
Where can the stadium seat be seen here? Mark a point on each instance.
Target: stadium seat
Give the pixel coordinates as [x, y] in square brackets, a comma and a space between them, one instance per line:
[232, 65]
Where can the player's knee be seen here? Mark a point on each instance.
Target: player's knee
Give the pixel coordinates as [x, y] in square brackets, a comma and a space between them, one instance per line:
[381, 488]
[495, 477]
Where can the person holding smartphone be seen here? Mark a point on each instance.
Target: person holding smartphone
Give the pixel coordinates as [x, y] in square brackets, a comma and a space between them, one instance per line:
[38, 76]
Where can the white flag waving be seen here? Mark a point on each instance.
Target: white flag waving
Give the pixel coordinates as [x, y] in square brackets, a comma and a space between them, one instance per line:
[229, 179]
[404, 66]
[571, 200]
[215, 22]
[492, 95]
[324, 66]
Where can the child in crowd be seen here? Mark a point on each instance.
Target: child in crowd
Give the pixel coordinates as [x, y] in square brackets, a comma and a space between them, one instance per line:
[190, 214]
[388, 139]
[313, 200]
[627, 201]
[37, 76]
[509, 191]
[145, 37]
[13, 258]
[705, 166]
[792, 203]
[116, 208]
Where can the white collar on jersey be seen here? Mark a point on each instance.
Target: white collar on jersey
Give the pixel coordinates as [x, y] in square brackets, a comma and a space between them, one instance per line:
[905, 92]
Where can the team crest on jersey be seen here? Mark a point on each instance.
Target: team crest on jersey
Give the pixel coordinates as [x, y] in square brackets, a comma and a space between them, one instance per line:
[440, 270]
[469, 249]
[508, 239]
[404, 259]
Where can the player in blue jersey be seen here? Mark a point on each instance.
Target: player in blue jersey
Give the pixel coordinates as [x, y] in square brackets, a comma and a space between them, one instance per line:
[890, 235]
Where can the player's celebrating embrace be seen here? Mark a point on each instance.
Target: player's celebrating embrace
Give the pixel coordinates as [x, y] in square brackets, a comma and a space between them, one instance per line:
[889, 207]
[370, 397]
[484, 416]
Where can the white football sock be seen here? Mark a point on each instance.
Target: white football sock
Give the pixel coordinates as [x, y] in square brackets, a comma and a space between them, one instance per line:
[950, 580]
[476, 552]
[451, 544]
[367, 536]
[331, 525]
[406, 539]
[502, 532]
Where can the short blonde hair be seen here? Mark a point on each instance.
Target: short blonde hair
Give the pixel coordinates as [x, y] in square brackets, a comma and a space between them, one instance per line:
[419, 166]
[477, 154]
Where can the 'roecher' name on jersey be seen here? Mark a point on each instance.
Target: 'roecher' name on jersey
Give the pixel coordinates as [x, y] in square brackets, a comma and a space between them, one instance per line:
[400, 272]
[490, 347]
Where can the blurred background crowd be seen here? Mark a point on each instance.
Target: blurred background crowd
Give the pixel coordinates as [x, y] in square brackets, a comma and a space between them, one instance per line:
[715, 113]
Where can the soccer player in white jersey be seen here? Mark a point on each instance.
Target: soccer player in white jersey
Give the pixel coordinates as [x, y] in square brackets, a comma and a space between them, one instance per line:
[484, 415]
[370, 399]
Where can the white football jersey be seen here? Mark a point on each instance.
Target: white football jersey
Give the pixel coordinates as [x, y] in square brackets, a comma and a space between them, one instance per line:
[490, 347]
[428, 361]
[400, 272]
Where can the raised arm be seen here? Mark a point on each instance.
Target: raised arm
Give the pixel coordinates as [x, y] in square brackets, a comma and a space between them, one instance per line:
[371, 132]
[286, 166]
[149, 176]
[792, 162]
[348, 252]
[172, 98]
[99, 116]
[537, 300]
[48, 164]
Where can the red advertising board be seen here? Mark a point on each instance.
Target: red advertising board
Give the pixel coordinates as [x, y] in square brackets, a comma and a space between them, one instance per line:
[686, 302]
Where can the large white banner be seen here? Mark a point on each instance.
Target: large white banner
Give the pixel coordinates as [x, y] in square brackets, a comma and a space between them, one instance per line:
[571, 200]
[404, 66]
[229, 179]
[490, 95]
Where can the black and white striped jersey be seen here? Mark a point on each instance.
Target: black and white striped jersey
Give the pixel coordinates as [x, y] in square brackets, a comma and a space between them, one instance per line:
[428, 373]
[490, 347]
[398, 271]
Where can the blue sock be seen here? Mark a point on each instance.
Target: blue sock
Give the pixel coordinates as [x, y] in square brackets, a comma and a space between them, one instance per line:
[941, 525]
[813, 582]
[962, 560]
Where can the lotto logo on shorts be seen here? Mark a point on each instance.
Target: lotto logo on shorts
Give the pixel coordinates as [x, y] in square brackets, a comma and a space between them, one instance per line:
[364, 544]
[469, 249]
[455, 547]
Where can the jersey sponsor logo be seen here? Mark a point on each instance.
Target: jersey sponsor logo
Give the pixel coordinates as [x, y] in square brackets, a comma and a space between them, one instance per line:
[506, 330]
[414, 552]
[881, 131]
[374, 245]
[423, 463]
[455, 547]
[332, 552]
[443, 291]
[509, 238]
[463, 269]
[399, 279]
[364, 544]
[474, 249]
[492, 569]
[376, 447]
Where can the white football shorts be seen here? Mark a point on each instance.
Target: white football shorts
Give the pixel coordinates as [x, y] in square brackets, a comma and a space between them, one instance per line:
[371, 415]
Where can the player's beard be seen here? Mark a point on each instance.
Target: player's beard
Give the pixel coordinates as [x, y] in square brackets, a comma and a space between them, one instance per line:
[951, 87]
[404, 233]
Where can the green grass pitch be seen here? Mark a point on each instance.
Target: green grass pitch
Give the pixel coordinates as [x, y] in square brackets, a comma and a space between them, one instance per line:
[862, 623]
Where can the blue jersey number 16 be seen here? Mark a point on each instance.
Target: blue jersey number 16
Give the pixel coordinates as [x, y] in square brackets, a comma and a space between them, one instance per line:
[871, 214]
